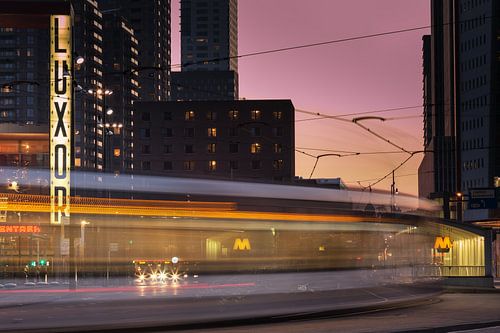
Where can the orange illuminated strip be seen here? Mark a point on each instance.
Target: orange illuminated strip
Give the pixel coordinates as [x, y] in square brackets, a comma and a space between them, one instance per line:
[212, 210]
[15, 198]
[19, 229]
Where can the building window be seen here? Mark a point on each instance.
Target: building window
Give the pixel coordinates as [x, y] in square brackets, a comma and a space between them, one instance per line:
[278, 115]
[233, 148]
[167, 149]
[255, 114]
[233, 165]
[233, 115]
[255, 131]
[212, 132]
[167, 132]
[189, 115]
[212, 115]
[167, 115]
[278, 148]
[233, 131]
[278, 131]
[146, 116]
[189, 165]
[256, 148]
[212, 165]
[117, 152]
[146, 149]
[167, 165]
[146, 165]
[145, 133]
[189, 149]
[211, 148]
[278, 164]
[256, 165]
[189, 132]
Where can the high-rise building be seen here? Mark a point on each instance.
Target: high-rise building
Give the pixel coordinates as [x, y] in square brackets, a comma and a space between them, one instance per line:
[90, 93]
[24, 76]
[244, 139]
[121, 57]
[209, 49]
[463, 120]
[150, 22]
[209, 30]
[437, 173]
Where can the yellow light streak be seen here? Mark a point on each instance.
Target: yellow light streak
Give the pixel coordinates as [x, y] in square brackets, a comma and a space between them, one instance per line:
[211, 210]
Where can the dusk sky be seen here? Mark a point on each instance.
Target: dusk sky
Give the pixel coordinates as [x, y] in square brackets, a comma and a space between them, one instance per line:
[357, 76]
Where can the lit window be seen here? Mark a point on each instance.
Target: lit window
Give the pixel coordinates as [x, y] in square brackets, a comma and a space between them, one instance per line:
[117, 152]
[255, 148]
[212, 165]
[256, 114]
[211, 148]
[278, 115]
[189, 115]
[233, 115]
[212, 132]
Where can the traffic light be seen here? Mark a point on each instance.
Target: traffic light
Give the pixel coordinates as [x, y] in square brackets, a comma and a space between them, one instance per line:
[33, 263]
[42, 262]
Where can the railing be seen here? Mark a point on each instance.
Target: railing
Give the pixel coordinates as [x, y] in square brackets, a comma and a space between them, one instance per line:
[434, 270]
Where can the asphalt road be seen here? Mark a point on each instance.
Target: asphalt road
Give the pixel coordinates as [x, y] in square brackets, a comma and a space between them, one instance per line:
[208, 301]
[465, 313]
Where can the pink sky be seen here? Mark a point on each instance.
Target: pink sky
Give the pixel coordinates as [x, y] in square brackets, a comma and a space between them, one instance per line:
[358, 76]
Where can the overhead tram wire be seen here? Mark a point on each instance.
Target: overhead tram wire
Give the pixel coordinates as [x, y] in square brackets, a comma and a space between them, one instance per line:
[328, 42]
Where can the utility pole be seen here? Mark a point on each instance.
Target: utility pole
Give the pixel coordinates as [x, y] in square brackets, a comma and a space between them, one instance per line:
[393, 192]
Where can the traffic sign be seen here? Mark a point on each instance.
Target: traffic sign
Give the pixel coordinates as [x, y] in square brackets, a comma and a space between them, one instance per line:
[482, 198]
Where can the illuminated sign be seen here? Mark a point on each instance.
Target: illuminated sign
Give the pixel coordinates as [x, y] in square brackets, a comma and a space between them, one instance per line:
[241, 244]
[443, 244]
[8, 229]
[60, 116]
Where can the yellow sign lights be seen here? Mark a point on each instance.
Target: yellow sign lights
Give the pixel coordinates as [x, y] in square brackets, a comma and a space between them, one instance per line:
[60, 116]
[242, 244]
[443, 244]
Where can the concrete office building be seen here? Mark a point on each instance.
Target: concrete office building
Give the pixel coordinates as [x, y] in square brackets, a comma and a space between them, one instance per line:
[464, 84]
[150, 21]
[209, 46]
[251, 139]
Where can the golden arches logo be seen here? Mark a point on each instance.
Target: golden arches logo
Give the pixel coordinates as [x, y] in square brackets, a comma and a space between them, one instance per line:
[242, 244]
[443, 244]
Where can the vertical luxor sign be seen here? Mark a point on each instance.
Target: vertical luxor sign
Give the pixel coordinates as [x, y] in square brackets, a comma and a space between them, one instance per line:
[60, 116]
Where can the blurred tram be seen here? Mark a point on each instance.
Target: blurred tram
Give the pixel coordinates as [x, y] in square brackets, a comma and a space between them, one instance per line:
[225, 227]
